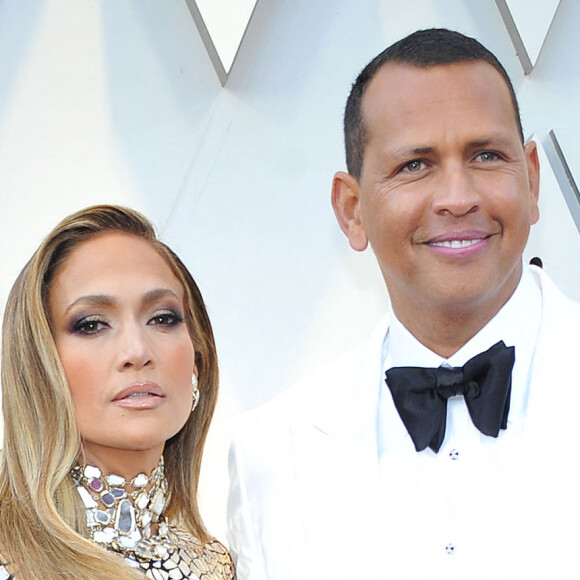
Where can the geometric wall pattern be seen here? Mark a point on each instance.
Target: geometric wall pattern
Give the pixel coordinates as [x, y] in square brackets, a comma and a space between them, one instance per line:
[554, 208]
[528, 26]
[120, 102]
[222, 25]
[526, 23]
[560, 142]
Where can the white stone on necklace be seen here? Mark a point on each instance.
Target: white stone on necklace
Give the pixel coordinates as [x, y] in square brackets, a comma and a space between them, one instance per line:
[120, 515]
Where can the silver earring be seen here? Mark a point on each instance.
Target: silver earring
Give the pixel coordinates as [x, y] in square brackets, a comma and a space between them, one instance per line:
[194, 392]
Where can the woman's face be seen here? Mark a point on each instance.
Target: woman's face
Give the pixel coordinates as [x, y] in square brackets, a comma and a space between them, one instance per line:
[117, 316]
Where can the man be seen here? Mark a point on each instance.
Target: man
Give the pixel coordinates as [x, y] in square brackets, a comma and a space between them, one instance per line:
[445, 446]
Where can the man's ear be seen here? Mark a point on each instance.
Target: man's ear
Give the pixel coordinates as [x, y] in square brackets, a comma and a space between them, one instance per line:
[533, 166]
[346, 205]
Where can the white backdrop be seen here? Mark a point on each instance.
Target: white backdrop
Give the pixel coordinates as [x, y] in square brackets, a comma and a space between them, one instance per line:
[117, 101]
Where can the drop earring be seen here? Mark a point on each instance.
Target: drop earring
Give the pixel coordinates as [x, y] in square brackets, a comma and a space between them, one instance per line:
[194, 392]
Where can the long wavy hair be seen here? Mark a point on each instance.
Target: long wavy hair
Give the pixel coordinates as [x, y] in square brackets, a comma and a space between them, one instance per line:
[42, 521]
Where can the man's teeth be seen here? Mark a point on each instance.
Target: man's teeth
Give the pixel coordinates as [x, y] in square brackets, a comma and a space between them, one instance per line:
[456, 243]
[134, 395]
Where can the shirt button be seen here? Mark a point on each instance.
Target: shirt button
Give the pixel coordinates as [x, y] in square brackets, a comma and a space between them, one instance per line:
[454, 455]
[450, 549]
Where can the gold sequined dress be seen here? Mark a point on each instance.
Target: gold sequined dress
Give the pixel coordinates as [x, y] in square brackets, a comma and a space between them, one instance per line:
[127, 518]
[191, 560]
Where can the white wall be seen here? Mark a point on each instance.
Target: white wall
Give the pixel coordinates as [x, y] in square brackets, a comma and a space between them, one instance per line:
[117, 101]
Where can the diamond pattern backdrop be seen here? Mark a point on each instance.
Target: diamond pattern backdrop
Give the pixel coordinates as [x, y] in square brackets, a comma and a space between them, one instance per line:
[125, 102]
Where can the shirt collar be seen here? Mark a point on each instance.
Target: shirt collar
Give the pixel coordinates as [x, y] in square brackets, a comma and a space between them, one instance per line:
[517, 324]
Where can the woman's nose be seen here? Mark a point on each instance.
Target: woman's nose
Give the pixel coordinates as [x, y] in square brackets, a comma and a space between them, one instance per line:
[134, 348]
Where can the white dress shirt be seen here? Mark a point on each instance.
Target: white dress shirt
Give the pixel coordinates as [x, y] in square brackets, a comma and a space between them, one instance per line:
[326, 482]
[477, 508]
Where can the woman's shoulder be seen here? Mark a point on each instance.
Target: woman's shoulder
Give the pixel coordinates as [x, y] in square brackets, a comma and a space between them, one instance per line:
[210, 559]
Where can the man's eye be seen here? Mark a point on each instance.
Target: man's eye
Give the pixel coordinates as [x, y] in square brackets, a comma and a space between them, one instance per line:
[413, 166]
[488, 156]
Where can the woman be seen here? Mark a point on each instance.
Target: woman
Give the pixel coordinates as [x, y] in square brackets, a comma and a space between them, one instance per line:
[109, 382]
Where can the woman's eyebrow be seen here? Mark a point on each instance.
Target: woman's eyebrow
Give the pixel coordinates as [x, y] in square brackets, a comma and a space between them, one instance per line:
[157, 293]
[104, 300]
[93, 300]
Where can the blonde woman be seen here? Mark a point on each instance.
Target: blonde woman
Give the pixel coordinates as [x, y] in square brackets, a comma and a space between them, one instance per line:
[109, 382]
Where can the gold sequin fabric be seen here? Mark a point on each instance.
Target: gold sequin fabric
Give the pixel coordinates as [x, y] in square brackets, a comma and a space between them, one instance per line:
[191, 560]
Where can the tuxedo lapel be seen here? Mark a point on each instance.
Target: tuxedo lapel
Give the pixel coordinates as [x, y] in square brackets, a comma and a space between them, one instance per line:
[335, 455]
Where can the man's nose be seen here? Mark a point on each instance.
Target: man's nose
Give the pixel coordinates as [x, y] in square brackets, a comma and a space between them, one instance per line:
[456, 193]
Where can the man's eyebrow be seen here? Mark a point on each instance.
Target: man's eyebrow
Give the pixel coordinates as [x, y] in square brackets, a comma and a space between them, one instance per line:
[406, 152]
[493, 141]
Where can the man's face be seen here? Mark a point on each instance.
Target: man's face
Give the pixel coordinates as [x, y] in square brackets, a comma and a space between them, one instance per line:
[447, 192]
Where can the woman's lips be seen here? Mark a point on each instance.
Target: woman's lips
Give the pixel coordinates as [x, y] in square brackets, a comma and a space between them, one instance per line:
[141, 395]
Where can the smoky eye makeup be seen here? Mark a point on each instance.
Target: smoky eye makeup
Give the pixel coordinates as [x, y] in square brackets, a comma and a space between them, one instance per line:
[87, 325]
[166, 317]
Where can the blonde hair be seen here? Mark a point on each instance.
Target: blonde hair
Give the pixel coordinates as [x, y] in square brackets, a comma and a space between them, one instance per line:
[42, 521]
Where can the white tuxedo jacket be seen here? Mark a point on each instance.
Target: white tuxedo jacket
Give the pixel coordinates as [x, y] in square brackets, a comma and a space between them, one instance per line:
[307, 501]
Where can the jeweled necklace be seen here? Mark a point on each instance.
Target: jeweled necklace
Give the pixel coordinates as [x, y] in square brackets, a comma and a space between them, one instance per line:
[120, 514]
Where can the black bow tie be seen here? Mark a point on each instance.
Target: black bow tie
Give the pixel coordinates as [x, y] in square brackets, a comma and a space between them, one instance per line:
[420, 395]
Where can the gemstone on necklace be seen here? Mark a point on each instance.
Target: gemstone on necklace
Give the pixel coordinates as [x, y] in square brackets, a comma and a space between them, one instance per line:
[108, 499]
[140, 480]
[102, 517]
[91, 518]
[116, 480]
[125, 520]
[120, 514]
[92, 471]
[118, 493]
[161, 551]
[157, 504]
[130, 542]
[142, 500]
[105, 536]
[163, 529]
[127, 542]
[96, 484]
[131, 562]
[143, 550]
[146, 517]
[86, 497]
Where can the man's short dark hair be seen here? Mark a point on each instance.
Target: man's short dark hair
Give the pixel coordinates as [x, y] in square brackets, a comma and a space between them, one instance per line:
[423, 49]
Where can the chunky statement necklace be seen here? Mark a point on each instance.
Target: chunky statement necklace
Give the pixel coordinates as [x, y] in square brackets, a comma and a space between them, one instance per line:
[121, 515]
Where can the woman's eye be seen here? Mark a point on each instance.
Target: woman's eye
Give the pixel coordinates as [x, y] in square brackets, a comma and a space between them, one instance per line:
[166, 319]
[89, 326]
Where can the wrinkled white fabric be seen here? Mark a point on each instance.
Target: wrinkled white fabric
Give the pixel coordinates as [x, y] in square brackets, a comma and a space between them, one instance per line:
[326, 482]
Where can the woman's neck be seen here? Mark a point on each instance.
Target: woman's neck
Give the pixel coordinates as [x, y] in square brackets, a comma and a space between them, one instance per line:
[124, 462]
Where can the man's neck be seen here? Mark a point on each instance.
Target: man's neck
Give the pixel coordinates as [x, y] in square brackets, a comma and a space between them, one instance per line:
[445, 330]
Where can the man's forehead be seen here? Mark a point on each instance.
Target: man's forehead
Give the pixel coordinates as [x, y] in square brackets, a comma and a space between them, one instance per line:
[400, 86]
[394, 77]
